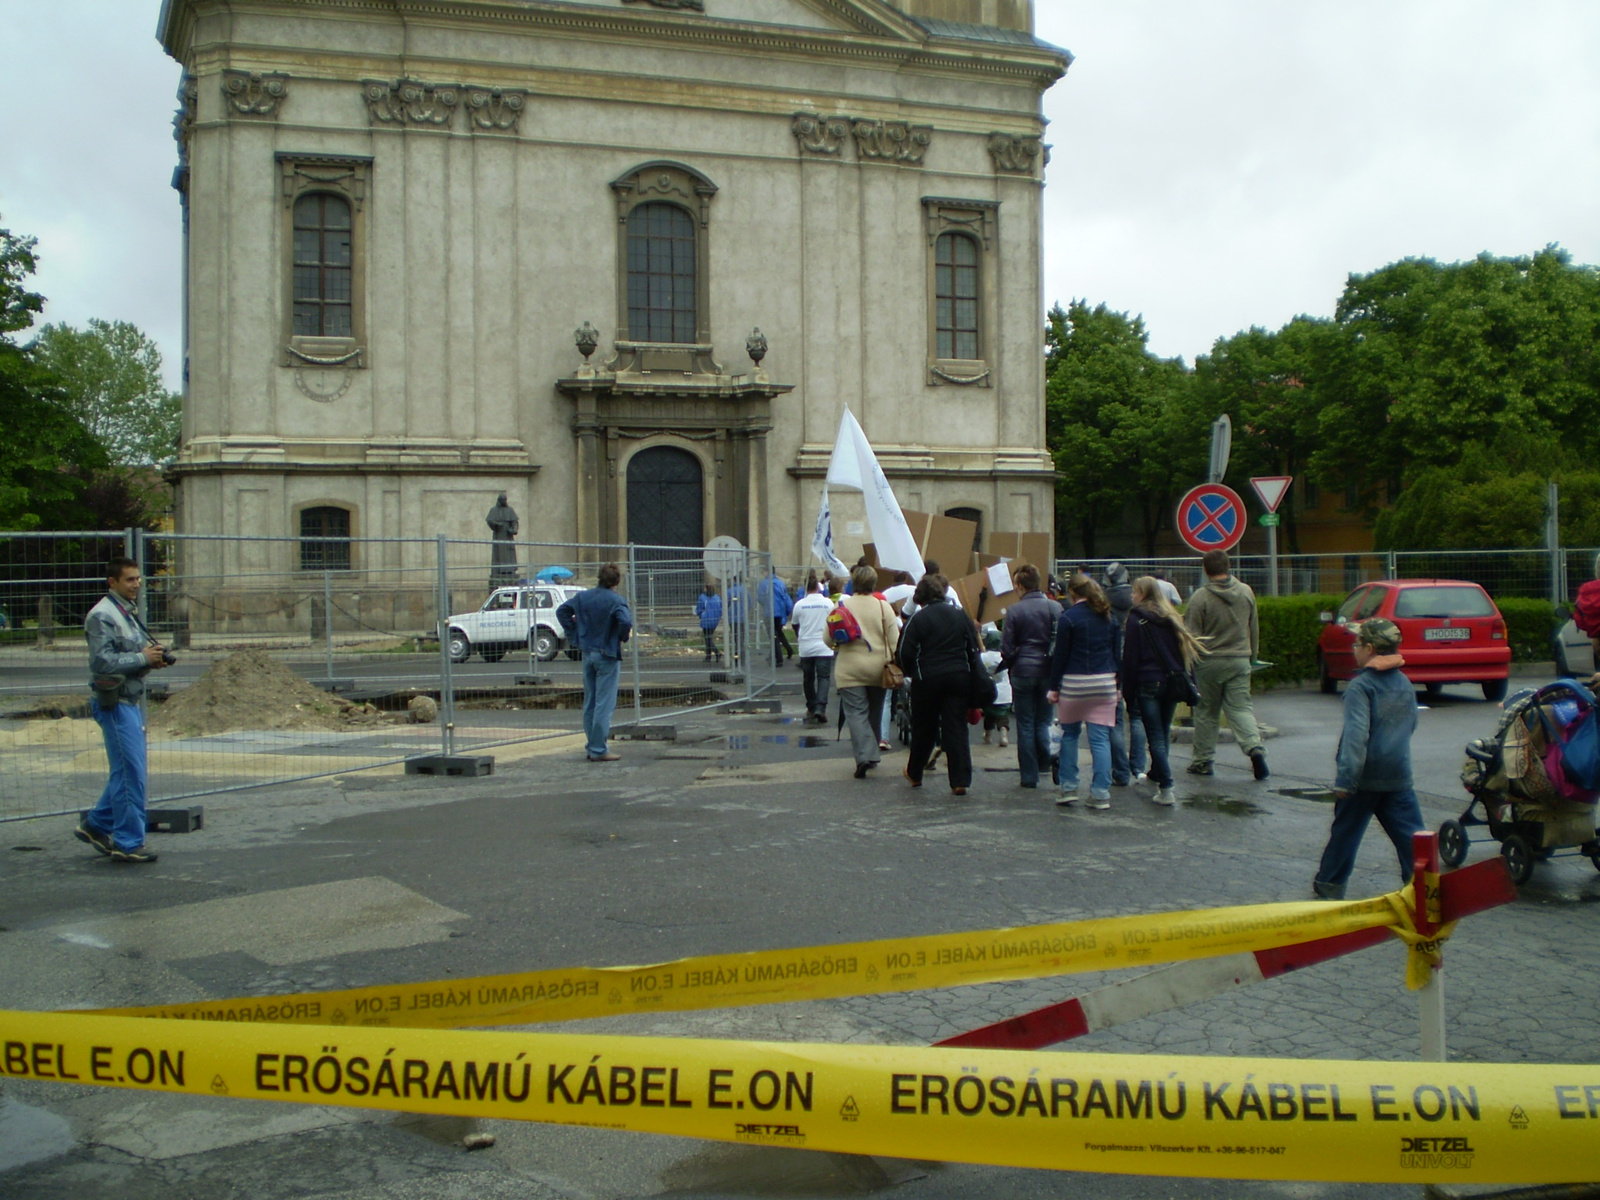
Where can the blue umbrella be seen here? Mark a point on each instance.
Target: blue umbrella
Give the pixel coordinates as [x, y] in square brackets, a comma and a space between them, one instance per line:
[554, 574]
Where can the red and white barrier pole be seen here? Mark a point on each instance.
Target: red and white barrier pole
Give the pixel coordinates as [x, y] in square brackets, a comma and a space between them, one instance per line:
[1427, 916]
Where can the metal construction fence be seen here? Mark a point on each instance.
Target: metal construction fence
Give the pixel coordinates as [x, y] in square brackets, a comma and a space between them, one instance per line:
[303, 658]
[1534, 574]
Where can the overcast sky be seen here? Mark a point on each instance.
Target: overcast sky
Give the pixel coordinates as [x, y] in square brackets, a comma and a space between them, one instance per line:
[1216, 165]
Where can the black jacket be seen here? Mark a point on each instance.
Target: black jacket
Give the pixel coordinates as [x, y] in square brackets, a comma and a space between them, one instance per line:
[1029, 633]
[939, 642]
[1149, 645]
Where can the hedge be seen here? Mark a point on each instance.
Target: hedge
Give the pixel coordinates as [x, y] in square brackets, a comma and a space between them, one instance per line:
[1289, 631]
[1290, 626]
[1529, 624]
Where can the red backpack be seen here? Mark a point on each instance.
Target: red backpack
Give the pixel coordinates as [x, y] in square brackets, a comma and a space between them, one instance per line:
[1586, 611]
[843, 626]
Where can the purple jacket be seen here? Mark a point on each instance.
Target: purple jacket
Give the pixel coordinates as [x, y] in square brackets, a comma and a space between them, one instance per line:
[1028, 634]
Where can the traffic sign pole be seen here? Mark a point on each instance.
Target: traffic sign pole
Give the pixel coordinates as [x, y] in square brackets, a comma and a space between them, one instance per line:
[1270, 490]
[1272, 558]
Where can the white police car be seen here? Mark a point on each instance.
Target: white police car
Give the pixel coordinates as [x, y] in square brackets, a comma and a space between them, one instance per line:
[511, 618]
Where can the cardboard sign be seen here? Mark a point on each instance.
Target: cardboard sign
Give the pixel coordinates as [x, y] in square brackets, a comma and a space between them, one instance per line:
[970, 587]
[945, 540]
[1022, 548]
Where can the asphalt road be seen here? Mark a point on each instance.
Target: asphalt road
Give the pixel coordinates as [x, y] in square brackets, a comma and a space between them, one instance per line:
[745, 834]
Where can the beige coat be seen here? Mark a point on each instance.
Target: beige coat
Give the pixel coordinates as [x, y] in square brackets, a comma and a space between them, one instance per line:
[860, 663]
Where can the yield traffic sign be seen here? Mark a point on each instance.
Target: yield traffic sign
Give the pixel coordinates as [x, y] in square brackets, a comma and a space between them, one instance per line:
[1211, 517]
[1272, 489]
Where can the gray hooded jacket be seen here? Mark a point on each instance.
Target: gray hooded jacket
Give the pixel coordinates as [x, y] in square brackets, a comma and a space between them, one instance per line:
[1224, 614]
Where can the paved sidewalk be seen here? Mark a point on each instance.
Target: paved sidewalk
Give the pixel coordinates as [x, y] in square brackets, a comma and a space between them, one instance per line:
[747, 833]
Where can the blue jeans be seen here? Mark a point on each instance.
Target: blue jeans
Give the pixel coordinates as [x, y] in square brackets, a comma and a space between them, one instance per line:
[119, 812]
[1099, 753]
[1032, 714]
[1155, 721]
[599, 698]
[1397, 812]
[1124, 766]
[816, 673]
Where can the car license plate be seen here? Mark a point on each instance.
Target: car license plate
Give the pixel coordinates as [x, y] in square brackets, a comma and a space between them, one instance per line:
[1455, 634]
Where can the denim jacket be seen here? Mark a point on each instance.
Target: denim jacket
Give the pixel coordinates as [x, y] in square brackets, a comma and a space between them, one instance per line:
[1380, 715]
[116, 648]
[1086, 644]
[597, 619]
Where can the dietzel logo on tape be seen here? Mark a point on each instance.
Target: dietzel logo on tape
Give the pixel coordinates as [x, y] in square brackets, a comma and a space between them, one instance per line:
[1436, 1153]
[786, 1135]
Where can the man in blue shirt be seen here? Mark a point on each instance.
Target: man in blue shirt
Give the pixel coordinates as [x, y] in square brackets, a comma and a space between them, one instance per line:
[121, 654]
[1374, 759]
[598, 621]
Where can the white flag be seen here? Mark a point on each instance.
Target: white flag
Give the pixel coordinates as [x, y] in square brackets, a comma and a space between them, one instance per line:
[822, 538]
[855, 466]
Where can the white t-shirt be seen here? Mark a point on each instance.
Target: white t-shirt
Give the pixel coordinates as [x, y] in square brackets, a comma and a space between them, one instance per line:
[899, 592]
[810, 619]
[1169, 591]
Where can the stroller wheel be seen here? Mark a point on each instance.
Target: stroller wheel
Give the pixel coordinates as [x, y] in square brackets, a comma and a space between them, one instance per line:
[1519, 858]
[1452, 844]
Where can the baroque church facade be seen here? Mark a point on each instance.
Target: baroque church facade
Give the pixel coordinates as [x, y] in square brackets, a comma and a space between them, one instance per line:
[623, 261]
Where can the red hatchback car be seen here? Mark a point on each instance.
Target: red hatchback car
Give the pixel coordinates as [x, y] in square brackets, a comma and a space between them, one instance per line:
[1451, 632]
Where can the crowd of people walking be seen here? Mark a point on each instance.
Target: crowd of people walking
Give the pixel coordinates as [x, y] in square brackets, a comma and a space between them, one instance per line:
[1107, 663]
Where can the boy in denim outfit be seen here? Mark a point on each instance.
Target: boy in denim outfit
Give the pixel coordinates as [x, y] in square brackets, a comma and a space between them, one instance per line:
[1374, 760]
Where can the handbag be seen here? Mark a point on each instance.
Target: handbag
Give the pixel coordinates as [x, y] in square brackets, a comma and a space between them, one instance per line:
[893, 677]
[1179, 685]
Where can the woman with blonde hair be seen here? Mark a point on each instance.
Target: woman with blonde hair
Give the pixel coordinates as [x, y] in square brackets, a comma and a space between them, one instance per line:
[858, 666]
[1083, 673]
[1158, 654]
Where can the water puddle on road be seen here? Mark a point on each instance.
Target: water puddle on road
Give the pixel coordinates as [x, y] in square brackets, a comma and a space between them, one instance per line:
[805, 741]
[1321, 795]
[1228, 806]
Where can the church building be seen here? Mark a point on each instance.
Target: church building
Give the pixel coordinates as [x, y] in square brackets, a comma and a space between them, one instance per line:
[623, 261]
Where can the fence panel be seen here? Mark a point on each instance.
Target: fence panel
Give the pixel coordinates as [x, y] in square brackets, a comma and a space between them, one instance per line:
[300, 658]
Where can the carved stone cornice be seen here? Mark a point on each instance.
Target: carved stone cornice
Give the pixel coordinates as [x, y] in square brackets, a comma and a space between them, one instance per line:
[183, 128]
[945, 213]
[820, 135]
[1014, 155]
[685, 5]
[348, 173]
[892, 141]
[410, 102]
[255, 93]
[495, 109]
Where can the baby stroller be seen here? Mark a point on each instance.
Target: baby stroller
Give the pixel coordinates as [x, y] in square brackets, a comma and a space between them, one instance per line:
[1533, 781]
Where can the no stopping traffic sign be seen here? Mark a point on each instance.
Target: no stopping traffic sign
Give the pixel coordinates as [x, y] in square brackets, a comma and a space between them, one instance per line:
[1211, 517]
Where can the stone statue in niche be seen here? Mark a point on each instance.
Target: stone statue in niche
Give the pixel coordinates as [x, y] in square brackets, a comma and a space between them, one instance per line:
[503, 526]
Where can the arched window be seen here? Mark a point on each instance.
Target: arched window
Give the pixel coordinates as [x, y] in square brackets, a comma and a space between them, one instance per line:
[956, 296]
[661, 274]
[322, 266]
[325, 538]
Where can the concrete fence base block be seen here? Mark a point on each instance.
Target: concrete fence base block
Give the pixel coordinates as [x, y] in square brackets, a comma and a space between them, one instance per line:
[185, 819]
[755, 706]
[645, 733]
[451, 764]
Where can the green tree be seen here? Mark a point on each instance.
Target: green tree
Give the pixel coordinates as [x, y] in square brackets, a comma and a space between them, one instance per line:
[111, 372]
[1268, 383]
[46, 453]
[1435, 359]
[1121, 423]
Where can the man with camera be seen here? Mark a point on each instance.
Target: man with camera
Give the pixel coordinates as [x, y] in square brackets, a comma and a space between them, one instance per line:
[121, 654]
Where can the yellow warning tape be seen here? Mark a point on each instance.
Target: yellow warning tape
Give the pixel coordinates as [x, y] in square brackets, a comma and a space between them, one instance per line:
[822, 972]
[1156, 1115]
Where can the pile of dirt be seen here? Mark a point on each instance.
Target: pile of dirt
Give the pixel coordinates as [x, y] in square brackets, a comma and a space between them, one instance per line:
[249, 690]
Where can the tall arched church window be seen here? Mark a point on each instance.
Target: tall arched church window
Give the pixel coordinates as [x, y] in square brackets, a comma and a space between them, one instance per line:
[956, 293]
[662, 273]
[963, 279]
[323, 262]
